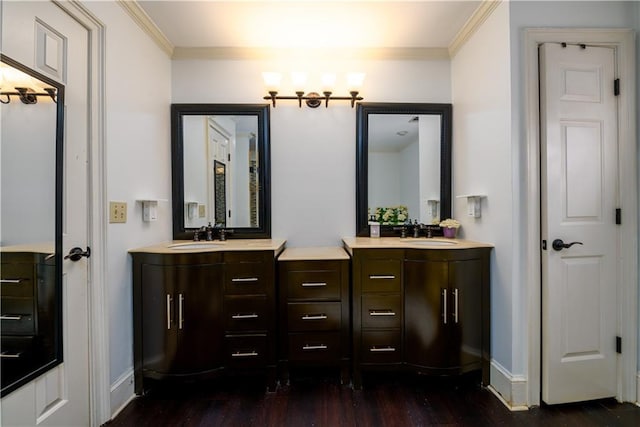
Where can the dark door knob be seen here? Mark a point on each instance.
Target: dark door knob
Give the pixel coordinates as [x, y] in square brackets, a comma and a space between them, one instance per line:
[559, 245]
[76, 253]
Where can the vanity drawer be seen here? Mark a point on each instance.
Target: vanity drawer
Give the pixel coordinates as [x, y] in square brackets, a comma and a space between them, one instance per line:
[314, 284]
[381, 311]
[315, 347]
[245, 278]
[17, 316]
[246, 351]
[245, 313]
[381, 347]
[319, 316]
[16, 280]
[381, 275]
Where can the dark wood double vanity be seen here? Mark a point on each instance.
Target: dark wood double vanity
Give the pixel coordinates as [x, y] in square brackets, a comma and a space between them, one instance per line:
[250, 306]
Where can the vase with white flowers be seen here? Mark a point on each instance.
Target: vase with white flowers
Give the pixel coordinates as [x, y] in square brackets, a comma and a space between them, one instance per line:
[449, 227]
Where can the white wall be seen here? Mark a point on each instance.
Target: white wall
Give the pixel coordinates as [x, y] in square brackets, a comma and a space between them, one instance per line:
[195, 175]
[138, 151]
[28, 166]
[482, 164]
[312, 150]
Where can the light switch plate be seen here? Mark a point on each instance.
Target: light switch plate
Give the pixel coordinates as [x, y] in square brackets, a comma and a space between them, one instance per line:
[201, 211]
[117, 212]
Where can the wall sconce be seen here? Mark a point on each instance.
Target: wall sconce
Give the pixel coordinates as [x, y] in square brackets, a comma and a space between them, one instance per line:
[272, 81]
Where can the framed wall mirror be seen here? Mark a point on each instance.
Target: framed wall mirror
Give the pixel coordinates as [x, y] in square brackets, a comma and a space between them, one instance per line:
[403, 164]
[31, 179]
[221, 169]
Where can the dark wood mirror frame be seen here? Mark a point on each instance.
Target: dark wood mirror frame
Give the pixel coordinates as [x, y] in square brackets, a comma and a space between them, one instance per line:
[261, 111]
[56, 358]
[363, 111]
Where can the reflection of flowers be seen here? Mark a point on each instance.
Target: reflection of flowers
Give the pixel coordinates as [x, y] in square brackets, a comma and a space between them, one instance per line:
[392, 215]
[450, 223]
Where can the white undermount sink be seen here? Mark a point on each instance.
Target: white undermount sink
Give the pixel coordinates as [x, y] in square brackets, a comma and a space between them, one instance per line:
[195, 245]
[434, 243]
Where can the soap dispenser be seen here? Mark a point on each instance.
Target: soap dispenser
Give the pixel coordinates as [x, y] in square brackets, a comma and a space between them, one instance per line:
[374, 227]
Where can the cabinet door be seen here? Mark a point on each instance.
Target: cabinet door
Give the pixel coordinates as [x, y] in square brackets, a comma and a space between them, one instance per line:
[465, 324]
[159, 335]
[426, 320]
[198, 314]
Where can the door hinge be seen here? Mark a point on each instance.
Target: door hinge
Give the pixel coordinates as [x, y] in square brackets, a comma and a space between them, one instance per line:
[544, 245]
[616, 87]
[619, 345]
[228, 157]
[618, 216]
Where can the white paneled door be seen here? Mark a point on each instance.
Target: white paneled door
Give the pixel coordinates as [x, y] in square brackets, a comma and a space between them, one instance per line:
[59, 397]
[579, 161]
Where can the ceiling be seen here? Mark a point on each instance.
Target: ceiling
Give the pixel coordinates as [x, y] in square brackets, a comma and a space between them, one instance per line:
[350, 24]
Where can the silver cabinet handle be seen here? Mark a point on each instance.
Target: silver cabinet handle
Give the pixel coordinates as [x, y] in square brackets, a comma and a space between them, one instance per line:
[314, 317]
[382, 313]
[11, 281]
[180, 311]
[386, 349]
[245, 316]
[244, 279]
[6, 355]
[382, 277]
[313, 285]
[169, 299]
[455, 305]
[248, 354]
[315, 347]
[444, 306]
[11, 317]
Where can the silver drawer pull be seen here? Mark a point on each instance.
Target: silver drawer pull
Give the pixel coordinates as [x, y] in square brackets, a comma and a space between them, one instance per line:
[249, 354]
[382, 277]
[382, 313]
[11, 281]
[313, 285]
[244, 279]
[314, 317]
[245, 316]
[315, 347]
[11, 317]
[387, 349]
[6, 355]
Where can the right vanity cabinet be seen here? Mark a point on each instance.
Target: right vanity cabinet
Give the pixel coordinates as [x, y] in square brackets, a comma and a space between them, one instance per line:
[425, 310]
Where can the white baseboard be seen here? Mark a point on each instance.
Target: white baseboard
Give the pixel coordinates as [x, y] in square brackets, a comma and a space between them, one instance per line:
[121, 393]
[510, 389]
[638, 389]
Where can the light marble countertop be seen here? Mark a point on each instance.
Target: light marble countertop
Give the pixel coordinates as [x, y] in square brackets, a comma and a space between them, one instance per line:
[410, 243]
[189, 246]
[41, 248]
[314, 254]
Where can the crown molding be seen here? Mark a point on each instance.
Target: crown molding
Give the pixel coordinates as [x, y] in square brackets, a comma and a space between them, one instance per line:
[484, 10]
[249, 53]
[143, 20]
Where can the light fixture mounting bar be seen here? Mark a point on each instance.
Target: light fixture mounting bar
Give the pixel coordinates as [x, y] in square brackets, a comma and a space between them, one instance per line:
[313, 99]
[27, 96]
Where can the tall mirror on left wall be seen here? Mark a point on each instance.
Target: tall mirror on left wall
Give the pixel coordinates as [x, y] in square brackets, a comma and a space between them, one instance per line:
[31, 175]
[221, 169]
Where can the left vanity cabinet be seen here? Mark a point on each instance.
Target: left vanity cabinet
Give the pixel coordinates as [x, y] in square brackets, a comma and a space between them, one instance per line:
[200, 313]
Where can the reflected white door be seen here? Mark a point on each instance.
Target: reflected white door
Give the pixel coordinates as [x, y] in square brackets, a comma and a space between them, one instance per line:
[59, 397]
[579, 193]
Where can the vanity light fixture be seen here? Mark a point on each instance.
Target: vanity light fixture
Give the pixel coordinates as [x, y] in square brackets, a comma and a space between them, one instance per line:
[21, 82]
[272, 81]
[27, 95]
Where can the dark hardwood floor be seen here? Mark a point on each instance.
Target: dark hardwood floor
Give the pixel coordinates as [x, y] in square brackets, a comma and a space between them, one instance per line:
[385, 400]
